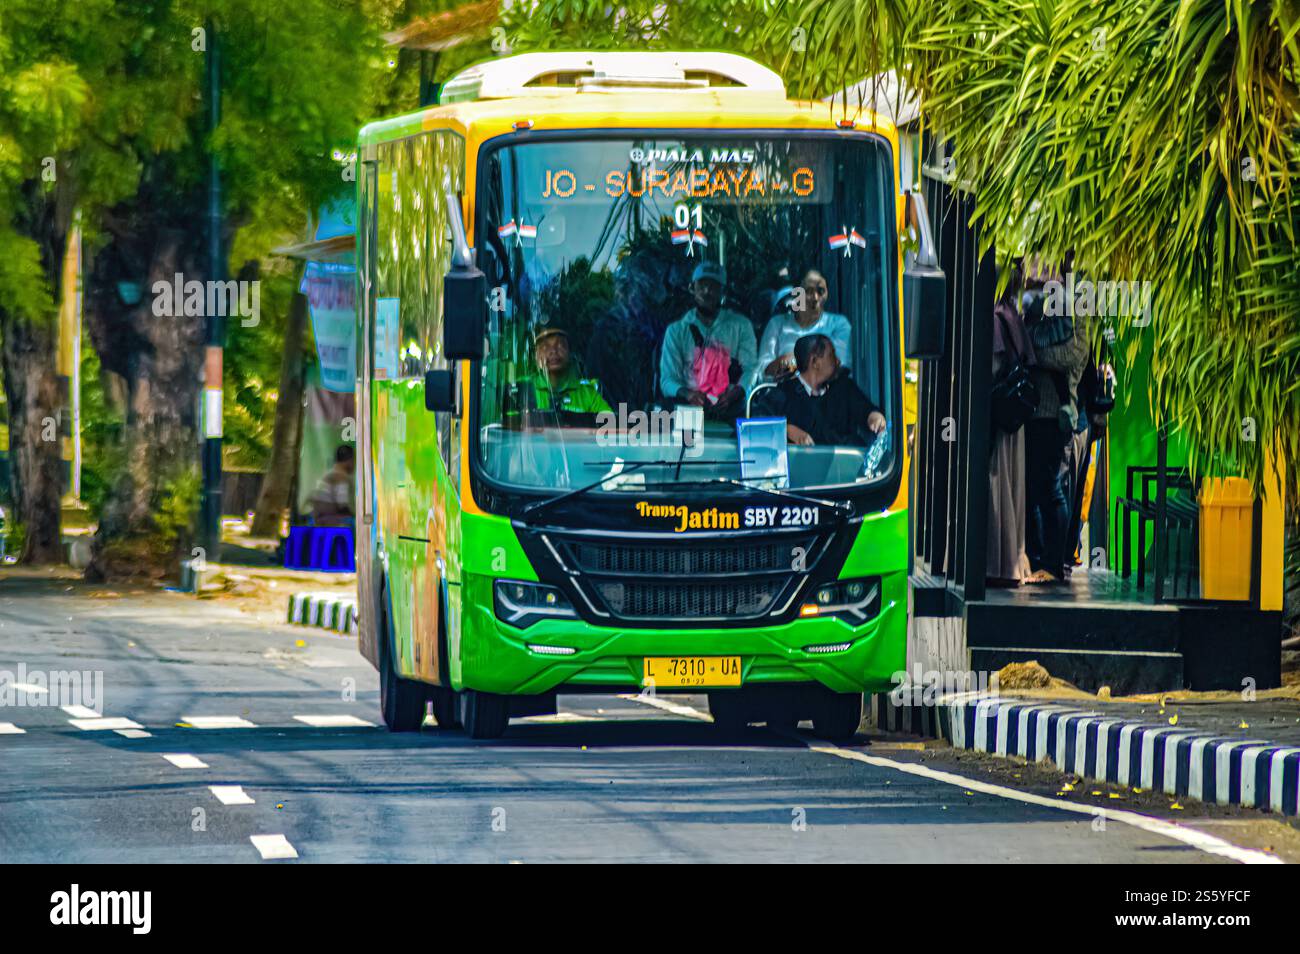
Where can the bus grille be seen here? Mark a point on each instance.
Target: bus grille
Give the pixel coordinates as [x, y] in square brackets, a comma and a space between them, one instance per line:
[722, 600]
[686, 560]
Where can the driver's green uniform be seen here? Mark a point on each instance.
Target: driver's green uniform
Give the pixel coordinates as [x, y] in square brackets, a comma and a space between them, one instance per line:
[570, 393]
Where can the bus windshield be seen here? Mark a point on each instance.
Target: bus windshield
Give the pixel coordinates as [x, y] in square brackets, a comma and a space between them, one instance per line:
[701, 306]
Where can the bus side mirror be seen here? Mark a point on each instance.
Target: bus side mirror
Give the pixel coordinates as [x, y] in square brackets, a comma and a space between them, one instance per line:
[464, 293]
[464, 314]
[925, 288]
[440, 390]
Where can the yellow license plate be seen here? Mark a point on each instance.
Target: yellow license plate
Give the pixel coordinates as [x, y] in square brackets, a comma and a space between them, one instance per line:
[667, 671]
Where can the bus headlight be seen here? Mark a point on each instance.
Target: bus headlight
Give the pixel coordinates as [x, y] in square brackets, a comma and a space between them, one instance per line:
[854, 601]
[521, 604]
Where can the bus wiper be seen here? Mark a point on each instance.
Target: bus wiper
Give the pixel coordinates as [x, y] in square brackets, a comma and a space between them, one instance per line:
[840, 506]
[631, 468]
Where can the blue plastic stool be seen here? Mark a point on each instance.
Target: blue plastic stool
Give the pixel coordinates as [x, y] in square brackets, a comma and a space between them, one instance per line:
[297, 548]
[325, 542]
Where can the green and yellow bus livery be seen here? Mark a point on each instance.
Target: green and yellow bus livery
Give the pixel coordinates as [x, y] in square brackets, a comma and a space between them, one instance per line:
[509, 551]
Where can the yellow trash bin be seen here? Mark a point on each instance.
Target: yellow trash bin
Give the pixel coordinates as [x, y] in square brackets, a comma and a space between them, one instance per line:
[1226, 505]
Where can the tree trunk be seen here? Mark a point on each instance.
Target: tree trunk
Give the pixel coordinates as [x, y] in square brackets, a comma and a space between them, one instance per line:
[35, 463]
[147, 520]
[283, 462]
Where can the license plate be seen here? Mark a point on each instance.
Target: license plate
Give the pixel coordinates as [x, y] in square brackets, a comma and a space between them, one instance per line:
[691, 671]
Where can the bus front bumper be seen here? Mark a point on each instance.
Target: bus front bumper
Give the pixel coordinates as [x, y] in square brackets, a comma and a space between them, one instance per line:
[497, 657]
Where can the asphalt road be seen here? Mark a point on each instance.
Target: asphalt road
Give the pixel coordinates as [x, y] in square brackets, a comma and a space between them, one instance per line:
[608, 779]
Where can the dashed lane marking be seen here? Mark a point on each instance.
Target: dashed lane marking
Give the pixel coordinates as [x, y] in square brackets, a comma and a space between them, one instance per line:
[334, 721]
[217, 722]
[1188, 836]
[8, 728]
[81, 712]
[97, 724]
[272, 847]
[230, 795]
[182, 760]
[30, 688]
[133, 733]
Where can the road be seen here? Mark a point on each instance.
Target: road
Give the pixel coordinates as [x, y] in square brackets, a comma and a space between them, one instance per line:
[608, 779]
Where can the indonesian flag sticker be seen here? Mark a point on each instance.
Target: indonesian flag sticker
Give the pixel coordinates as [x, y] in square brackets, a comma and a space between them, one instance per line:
[846, 238]
[690, 238]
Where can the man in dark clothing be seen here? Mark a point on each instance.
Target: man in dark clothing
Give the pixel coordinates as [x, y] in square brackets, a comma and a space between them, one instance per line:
[820, 405]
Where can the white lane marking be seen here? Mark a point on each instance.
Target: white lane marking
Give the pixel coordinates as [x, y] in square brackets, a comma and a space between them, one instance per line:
[687, 711]
[230, 795]
[92, 725]
[217, 722]
[8, 728]
[334, 721]
[557, 717]
[81, 712]
[133, 733]
[185, 761]
[273, 846]
[30, 688]
[1188, 836]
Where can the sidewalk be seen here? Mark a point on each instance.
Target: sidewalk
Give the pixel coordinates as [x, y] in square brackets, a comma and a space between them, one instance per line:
[1225, 750]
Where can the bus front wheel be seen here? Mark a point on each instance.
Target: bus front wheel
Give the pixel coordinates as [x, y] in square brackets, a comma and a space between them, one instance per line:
[836, 715]
[401, 701]
[484, 715]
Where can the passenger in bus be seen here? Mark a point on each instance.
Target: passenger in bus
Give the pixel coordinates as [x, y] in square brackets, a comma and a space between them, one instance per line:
[332, 498]
[556, 384]
[776, 353]
[820, 404]
[710, 351]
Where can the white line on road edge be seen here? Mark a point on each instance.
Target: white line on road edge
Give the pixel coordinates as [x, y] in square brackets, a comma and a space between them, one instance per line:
[335, 722]
[185, 761]
[273, 846]
[217, 722]
[30, 688]
[92, 725]
[1188, 836]
[8, 728]
[674, 708]
[230, 795]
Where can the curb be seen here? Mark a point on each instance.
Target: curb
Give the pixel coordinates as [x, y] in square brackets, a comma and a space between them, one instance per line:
[324, 611]
[1198, 765]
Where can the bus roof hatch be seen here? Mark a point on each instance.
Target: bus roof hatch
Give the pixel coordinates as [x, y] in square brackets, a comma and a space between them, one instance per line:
[530, 73]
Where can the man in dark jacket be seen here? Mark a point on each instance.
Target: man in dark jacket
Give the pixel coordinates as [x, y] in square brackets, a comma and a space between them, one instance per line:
[819, 403]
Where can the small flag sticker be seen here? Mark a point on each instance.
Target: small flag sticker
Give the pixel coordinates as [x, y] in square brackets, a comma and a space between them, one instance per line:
[507, 230]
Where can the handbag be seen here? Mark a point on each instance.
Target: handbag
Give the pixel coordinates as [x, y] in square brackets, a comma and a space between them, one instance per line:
[1014, 396]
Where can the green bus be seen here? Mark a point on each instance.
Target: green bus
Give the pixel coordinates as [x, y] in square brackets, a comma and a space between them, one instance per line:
[570, 480]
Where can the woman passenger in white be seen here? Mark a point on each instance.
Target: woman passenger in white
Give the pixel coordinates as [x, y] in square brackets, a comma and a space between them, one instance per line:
[776, 351]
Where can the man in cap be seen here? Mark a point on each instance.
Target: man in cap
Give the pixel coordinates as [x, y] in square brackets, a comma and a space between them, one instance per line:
[695, 342]
[555, 383]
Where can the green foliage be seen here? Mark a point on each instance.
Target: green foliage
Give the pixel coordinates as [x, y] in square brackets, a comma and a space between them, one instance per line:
[102, 457]
[1157, 142]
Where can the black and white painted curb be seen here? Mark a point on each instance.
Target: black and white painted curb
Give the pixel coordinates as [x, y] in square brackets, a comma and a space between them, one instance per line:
[325, 611]
[1098, 746]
